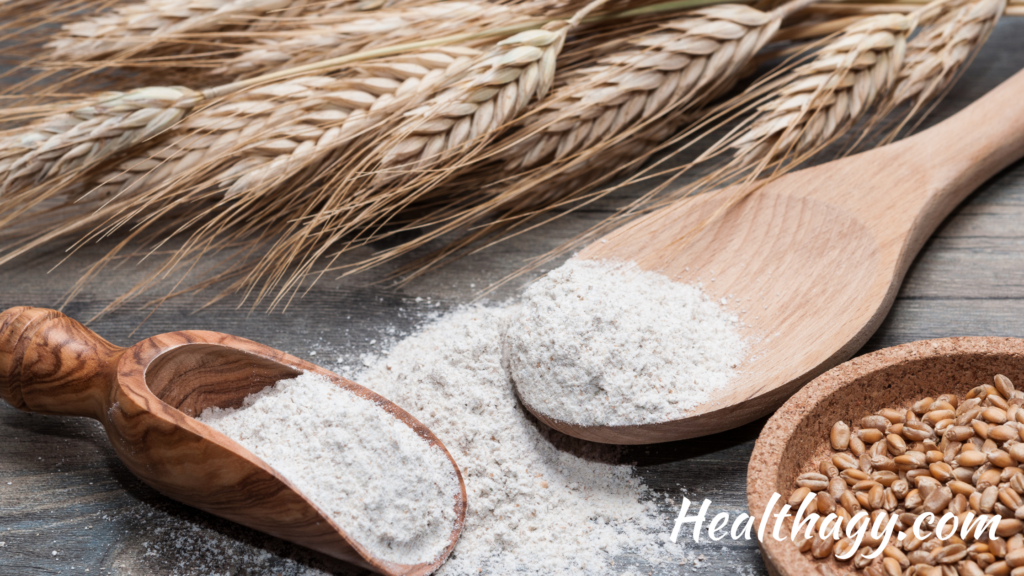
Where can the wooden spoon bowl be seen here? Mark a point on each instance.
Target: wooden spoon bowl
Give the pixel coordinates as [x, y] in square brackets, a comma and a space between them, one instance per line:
[795, 440]
[146, 395]
[812, 260]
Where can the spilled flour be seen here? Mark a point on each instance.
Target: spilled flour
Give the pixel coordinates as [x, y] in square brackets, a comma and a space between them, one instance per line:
[599, 342]
[372, 474]
[539, 503]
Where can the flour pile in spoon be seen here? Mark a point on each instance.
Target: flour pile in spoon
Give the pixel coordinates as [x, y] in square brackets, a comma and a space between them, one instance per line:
[379, 481]
[539, 503]
[600, 342]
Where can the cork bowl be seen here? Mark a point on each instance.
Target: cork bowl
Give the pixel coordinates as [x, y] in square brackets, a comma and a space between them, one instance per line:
[795, 439]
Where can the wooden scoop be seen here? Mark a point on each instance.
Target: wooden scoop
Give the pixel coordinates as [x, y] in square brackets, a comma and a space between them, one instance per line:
[814, 258]
[145, 397]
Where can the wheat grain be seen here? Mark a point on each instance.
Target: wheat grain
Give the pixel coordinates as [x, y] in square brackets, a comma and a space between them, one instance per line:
[937, 54]
[824, 97]
[679, 65]
[90, 134]
[135, 27]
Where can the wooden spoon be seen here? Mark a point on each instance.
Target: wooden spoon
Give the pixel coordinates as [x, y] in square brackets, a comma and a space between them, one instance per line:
[814, 258]
[145, 397]
[796, 438]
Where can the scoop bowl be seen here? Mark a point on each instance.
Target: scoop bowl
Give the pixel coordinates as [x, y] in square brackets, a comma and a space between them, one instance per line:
[146, 397]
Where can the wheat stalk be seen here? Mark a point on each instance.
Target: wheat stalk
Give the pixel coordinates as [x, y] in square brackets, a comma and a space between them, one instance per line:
[801, 112]
[282, 136]
[938, 53]
[329, 35]
[243, 171]
[670, 69]
[826, 96]
[623, 107]
[822, 99]
[69, 141]
[496, 89]
[21, 148]
[711, 70]
[265, 134]
[457, 120]
[140, 26]
[797, 114]
[464, 113]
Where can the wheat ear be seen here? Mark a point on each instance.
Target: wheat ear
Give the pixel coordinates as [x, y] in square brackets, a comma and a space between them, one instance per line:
[136, 27]
[936, 56]
[106, 126]
[426, 144]
[461, 116]
[259, 136]
[324, 36]
[859, 64]
[672, 68]
[498, 87]
[823, 98]
[48, 134]
[623, 107]
[466, 110]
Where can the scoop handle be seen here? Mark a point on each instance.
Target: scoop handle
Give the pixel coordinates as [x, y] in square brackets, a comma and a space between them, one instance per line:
[51, 364]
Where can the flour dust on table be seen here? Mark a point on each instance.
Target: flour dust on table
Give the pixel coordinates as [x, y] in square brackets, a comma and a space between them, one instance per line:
[383, 484]
[538, 502]
[607, 343]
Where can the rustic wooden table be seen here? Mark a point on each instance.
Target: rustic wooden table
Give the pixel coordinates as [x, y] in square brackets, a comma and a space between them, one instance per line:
[67, 505]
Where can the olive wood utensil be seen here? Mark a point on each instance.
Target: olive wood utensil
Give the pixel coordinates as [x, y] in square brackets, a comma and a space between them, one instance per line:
[796, 438]
[146, 395]
[815, 257]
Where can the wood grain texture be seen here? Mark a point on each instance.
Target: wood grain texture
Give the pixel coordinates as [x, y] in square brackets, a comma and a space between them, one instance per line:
[70, 494]
[812, 261]
[145, 397]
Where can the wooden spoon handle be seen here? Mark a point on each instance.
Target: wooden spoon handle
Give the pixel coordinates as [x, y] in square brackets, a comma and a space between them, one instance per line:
[51, 364]
[974, 145]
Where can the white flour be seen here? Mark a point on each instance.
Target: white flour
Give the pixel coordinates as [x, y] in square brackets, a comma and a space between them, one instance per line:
[539, 503]
[599, 342]
[374, 476]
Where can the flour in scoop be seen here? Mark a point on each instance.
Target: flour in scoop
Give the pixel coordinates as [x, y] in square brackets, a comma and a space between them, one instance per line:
[602, 342]
[373, 475]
